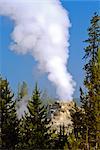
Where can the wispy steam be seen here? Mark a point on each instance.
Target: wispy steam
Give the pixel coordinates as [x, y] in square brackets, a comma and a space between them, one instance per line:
[21, 106]
[42, 29]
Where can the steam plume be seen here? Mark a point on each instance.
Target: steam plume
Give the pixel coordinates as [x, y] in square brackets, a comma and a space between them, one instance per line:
[41, 29]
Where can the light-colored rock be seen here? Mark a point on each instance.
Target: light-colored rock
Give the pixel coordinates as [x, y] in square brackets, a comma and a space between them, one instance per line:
[59, 112]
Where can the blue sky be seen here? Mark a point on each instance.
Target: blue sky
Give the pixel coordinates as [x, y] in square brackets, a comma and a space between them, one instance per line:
[18, 68]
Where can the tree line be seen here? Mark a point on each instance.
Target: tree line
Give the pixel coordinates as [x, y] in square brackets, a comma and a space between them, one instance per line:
[32, 131]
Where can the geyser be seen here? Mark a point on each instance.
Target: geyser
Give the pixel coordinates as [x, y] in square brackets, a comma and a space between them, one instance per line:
[41, 28]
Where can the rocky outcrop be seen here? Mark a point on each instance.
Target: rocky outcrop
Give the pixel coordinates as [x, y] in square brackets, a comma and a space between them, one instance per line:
[59, 113]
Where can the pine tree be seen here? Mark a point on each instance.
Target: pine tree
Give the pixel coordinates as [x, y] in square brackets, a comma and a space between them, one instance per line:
[24, 133]
[75, 138]
[91, 98]
[37, 135]
[62, 138]
[8, 119]
[86, 120]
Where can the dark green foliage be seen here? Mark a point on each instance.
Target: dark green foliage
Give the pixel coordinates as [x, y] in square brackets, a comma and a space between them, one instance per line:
[8, 119]
[61, 138]
[76, 137]
[77, 119]
[36, 126]
[24, 133]
[86, 120]
[91, 99]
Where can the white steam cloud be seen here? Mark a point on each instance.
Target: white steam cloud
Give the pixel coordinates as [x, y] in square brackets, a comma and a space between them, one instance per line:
[41, 28]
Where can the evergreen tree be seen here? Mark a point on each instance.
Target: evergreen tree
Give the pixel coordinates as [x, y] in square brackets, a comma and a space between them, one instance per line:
[86, 120]
[36, 127]
[75, 138]
[24, 133]
[61, 138]
[8, 119]
[91, 98]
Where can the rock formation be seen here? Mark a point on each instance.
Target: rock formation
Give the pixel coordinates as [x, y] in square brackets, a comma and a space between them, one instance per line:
[59, 113]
